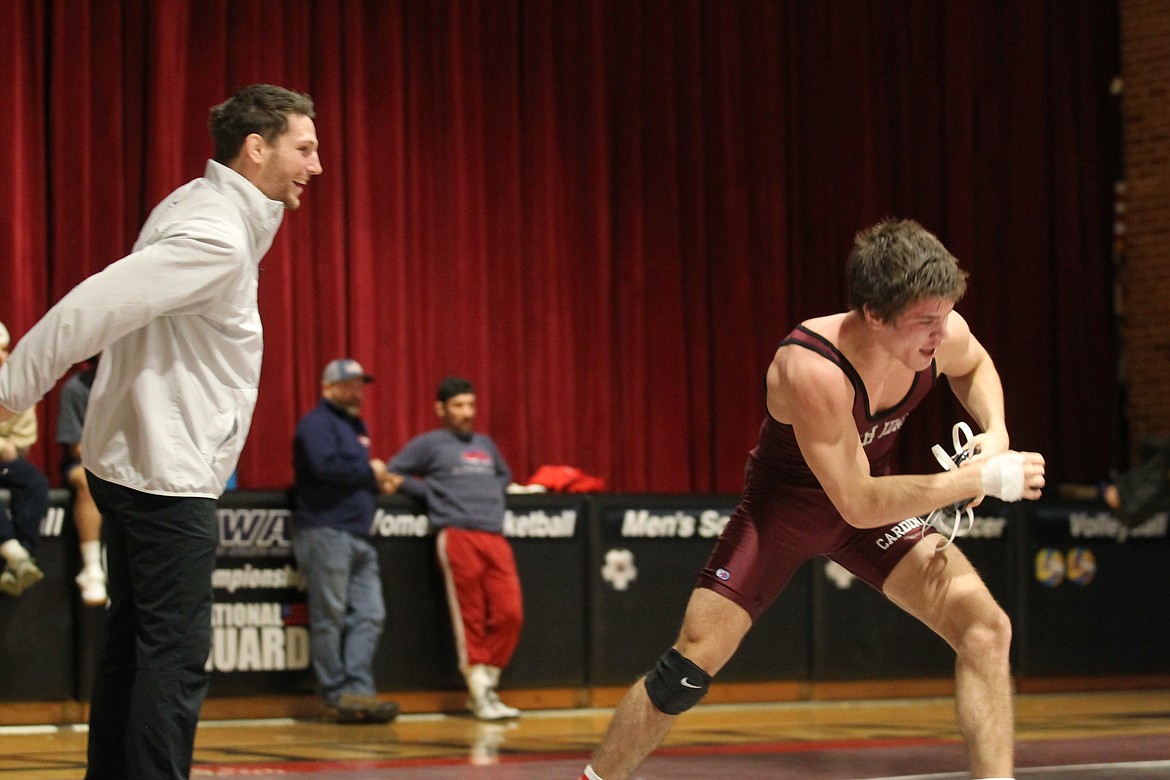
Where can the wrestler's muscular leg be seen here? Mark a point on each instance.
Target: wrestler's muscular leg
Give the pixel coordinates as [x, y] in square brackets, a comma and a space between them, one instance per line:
[945, 592]
[711, 632]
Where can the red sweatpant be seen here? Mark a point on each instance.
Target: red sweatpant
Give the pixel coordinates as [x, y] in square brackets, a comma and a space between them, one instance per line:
[483, 595]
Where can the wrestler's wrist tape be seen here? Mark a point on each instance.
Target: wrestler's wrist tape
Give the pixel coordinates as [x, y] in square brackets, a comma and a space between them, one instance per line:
[1003, 476]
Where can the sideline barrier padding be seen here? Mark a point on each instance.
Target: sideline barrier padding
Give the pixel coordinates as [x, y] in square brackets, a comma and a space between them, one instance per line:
[646, 553]
[1094, 594]
[38, 631]
[261, 621]
[606, 580]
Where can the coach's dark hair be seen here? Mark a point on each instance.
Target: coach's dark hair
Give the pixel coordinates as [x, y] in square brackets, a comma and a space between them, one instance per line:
[896, 263]
[259, 108]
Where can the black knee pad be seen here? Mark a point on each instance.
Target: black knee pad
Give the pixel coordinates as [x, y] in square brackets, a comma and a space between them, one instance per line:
[675, 684]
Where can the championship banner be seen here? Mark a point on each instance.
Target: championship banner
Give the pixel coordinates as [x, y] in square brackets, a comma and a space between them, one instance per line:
[260, 619]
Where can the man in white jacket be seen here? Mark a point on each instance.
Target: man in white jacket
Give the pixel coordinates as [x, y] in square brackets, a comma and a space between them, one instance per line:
[178, 326]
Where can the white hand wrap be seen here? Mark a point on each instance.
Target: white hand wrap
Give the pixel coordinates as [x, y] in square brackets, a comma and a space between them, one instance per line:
[1003, 476]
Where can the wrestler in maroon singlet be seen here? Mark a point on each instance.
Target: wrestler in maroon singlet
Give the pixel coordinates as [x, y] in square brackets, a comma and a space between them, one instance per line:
[784, 517]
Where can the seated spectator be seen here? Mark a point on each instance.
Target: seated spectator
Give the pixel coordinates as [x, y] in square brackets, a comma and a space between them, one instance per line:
[20, 523]
[1143, 491]
[86, 517]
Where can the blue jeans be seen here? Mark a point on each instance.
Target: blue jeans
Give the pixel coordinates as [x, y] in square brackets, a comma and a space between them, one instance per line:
[30, 501]
[346, 611]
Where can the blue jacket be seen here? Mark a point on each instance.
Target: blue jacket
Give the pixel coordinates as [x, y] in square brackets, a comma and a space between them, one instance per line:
[335, 485]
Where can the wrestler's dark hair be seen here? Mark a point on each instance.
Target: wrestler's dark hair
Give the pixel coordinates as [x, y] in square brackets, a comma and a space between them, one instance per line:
[258, 108]
[896, 263]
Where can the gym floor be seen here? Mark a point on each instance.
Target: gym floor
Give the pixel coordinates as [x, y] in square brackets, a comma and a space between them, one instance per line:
[1088, 735]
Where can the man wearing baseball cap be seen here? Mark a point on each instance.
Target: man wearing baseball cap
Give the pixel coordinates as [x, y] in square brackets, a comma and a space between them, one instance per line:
[337, 483]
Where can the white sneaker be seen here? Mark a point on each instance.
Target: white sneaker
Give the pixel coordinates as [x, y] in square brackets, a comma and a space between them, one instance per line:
[483, 709]
[489, 707]
[20, 576]
[483, 702]
[505, 712]
[92, 583]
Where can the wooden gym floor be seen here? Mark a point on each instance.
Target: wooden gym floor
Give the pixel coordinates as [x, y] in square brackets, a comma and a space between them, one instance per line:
[1065, 736]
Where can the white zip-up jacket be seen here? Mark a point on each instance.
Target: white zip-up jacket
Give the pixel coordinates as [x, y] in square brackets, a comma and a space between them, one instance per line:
[178, 326]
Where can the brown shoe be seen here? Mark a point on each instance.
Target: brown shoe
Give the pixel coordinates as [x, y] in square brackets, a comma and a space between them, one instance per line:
[358, 708]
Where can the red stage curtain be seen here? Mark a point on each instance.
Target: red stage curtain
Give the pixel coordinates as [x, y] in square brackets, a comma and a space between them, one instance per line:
[606, 214]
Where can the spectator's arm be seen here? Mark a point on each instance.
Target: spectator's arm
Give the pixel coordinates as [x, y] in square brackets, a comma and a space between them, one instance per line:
[329, 460]
[412, 464]
[503, 472]
[22, 433]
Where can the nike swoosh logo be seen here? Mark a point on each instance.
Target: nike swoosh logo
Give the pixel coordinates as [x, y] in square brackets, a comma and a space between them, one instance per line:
[687, 684]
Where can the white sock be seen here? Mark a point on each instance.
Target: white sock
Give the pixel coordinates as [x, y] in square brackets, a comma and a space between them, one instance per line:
[590, 774]
[91, 555]
[13, 552]
[478, 683]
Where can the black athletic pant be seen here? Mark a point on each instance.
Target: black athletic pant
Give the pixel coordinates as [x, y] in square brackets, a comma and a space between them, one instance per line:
[151, 678]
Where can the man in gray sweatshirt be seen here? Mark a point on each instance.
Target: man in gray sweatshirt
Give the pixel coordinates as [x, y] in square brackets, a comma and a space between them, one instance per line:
[460, 476]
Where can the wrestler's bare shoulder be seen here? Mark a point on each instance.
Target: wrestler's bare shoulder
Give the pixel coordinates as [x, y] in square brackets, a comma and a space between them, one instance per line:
[804, 380]
[828, 328]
